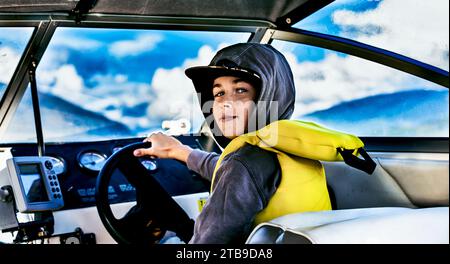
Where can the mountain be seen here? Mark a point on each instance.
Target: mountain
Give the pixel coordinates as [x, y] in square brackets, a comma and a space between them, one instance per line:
[62, 120]
[406, 113]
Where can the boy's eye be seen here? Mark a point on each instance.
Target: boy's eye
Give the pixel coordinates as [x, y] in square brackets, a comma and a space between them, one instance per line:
[241, 90]
[219, 94]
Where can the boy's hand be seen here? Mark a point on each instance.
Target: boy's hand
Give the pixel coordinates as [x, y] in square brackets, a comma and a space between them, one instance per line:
[164, 147]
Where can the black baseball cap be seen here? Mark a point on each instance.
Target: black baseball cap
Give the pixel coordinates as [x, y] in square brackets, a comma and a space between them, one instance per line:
[207, 74]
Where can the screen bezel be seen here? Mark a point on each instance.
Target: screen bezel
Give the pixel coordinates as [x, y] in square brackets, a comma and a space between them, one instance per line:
[22, 204]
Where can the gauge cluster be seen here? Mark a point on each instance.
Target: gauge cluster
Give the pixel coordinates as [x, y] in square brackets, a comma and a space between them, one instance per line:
[77, 164]
[92, 161]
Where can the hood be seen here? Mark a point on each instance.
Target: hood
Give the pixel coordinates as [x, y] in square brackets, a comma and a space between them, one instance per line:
[276, 91]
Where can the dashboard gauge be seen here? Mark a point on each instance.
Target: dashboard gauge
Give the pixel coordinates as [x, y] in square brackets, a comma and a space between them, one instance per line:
[149, 164]
[59, 165]
[91, 160]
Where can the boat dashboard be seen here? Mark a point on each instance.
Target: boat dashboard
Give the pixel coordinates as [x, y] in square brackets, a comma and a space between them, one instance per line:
[73, 173]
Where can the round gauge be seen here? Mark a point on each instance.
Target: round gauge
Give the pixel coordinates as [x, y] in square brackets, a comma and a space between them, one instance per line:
[91, 160]
[59, 165]
[149, 164]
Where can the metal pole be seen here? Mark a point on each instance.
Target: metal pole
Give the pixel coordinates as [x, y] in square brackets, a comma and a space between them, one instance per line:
[36, 110]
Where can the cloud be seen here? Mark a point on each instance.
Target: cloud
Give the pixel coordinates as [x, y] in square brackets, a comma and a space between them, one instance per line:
[141, 44]
[112, 95]
[418, 29]
[115, 94]
[9, 58]
[12, 41]
[75, 43]
[66, 83]
[70, 39]
[175, 93]
[335, 79]
[170, 95]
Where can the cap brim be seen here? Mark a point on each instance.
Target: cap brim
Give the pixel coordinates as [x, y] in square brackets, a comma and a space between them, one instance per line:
[212, 72]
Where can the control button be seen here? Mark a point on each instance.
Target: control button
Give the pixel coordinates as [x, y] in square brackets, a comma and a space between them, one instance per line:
[53, 190]
[55, 196]
[55, 183]
[57, 189]
[48, 164]
[58, 195]
[54, 177]
[51, 183]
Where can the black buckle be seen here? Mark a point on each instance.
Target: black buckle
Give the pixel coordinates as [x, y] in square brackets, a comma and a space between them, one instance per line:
[367, 164]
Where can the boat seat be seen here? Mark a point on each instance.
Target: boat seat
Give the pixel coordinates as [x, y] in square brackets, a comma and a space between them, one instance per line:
[385, 225]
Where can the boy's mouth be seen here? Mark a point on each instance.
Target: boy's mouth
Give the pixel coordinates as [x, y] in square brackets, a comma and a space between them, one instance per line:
[227, 118]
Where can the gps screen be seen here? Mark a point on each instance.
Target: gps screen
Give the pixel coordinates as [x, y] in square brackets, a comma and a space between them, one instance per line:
[33, 185]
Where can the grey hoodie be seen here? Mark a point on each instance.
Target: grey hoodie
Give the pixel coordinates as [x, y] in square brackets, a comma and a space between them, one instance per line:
[248, 177]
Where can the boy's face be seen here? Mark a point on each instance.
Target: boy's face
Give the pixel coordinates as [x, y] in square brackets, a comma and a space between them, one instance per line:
[233, 101]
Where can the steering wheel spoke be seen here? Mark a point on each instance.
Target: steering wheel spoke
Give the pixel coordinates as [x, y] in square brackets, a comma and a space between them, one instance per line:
[137, 175]
[133, 170]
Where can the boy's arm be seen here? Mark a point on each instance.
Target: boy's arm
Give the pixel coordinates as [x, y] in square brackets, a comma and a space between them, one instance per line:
[202, 162]
[229, 213]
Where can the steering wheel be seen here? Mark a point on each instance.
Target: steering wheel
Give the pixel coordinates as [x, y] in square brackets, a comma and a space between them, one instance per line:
[155, 211]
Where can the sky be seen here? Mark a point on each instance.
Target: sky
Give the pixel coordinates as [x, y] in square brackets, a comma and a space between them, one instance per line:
[130, 76]
[135, 77]
[418, 30]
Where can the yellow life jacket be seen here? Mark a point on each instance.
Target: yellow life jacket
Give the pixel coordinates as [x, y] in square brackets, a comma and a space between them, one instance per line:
[298, 145]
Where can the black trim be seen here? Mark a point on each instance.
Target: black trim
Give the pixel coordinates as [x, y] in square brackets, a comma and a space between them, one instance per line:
[267, 10]
[81, 9]
[371, 144]
[406, 144]
[139, 21]
[301, 12]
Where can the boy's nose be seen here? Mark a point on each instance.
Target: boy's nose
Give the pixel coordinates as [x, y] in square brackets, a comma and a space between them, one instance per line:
[227, 105]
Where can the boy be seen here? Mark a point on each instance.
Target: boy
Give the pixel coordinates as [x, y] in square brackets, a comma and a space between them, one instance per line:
[249, 86]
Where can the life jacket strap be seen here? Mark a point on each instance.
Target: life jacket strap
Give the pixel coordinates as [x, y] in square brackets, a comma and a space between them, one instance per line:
[367, 164]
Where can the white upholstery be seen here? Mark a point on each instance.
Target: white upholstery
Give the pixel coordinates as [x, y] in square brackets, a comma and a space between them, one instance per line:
[389, 225]
[414, 180]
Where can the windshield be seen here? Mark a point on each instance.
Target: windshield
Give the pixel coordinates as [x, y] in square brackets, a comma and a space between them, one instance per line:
[414, 28]
[364, 98]
[13, 41]
[100, 84]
